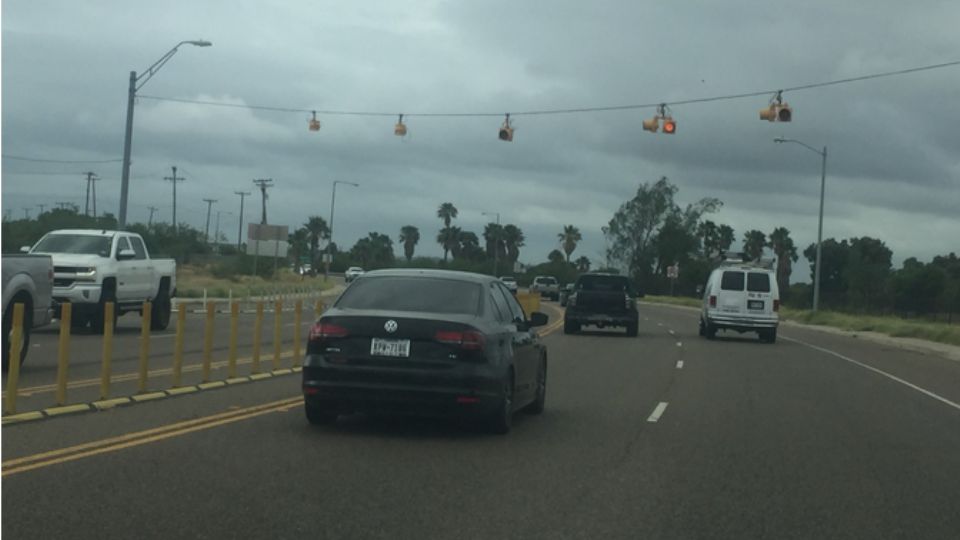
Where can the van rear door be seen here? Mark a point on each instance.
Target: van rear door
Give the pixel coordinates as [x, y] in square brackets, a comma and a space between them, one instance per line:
[730, 295]
[759, 298]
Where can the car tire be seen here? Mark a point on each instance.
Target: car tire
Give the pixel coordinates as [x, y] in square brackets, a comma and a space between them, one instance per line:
[160, 311]
[709, 330]
[768, 336]
[97, 321]
[7, 328]
[317, 416]
[539, 402]
[502, 420]
[633, 329]
[701, 331]
[570, 327]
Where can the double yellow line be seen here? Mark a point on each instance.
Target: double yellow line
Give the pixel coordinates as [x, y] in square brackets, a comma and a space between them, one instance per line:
[128, 440]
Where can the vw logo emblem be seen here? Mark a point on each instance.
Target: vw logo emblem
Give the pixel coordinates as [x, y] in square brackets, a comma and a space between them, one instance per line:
[390, 326]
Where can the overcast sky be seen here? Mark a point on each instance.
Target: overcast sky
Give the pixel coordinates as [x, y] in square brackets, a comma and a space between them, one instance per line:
[894, 150]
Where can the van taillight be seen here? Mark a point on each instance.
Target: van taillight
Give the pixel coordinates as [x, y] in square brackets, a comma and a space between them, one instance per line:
[469, 340]
[713, 300]
[324, 330]
[776, 305]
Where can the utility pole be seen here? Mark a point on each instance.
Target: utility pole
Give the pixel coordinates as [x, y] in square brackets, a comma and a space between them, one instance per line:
[242, 194]
[152, 210]
[216, 235]
[26, 212]
[94, 190]
[42, 206]
[174, 180]
[206, 231]
[263, 183]
[63, 205]
[90, 179]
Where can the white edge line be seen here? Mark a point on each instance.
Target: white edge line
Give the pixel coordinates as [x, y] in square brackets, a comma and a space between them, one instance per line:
[879, 372]
[657, 412]
[679, 364]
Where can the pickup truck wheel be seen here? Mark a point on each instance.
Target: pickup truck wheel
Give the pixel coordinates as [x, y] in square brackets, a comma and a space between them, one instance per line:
[633, 329]
[7, 329]
[160, 317]
[97, 321]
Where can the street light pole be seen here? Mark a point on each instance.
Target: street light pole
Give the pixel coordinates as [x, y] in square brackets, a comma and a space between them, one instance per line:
[128, 133]
[242, 194]
[496, 245]
[823, 188]
[333, 202]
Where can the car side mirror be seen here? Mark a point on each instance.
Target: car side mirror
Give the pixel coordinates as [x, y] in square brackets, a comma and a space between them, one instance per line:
[538, 319]
[24, 249]
[126, 255]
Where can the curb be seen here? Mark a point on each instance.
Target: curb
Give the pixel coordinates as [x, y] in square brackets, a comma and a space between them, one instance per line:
[107, 404]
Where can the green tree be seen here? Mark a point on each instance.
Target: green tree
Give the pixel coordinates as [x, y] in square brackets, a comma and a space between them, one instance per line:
[410, 236]
[447, 212]
[569, 239]
[317, 230]
[513, 240]
[867, 270]
[373, 251]
[753, 244]
[834, 256]
[493, 235]
[556, 256]
[449, 240]
[786, 252]
[583, 264]
[727, 237]
[468, 247]
[299, 241]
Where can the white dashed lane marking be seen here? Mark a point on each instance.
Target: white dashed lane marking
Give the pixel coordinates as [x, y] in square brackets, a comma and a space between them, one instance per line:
[679, 344]
[679, 364]
[657, 412]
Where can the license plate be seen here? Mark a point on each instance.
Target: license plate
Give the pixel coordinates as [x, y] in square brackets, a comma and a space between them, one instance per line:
[755, 304]
[399, 348]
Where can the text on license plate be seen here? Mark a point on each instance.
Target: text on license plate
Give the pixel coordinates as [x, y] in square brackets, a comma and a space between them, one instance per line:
[754, 304]
[390, 347]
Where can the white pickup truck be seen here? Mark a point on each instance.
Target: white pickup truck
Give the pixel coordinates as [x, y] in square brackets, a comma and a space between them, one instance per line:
[27, 280]
[92, 267]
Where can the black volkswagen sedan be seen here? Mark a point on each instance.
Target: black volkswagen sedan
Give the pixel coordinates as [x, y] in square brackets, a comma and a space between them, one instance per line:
[426, 343]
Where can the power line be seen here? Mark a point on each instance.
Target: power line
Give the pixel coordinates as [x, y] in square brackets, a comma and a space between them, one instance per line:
[40, 160]
[539, 112]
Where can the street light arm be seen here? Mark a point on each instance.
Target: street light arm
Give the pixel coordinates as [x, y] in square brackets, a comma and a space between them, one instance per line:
[801, 143]
[148, 73]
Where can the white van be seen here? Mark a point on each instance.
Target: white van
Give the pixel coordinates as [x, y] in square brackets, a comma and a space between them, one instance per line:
[743, 297]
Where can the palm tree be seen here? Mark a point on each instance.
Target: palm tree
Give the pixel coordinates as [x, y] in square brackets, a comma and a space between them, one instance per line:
[782, 246]
[449, 239]
[447, 212]
[513, 241]
[753, 244]
[555, 256]
[409, 235]
[317, 229]
[569, 238]
[299, 241]
[727, 237]
[583, 264]
[493, 235]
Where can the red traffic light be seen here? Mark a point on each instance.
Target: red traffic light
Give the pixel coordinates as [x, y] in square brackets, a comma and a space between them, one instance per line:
[669, 125]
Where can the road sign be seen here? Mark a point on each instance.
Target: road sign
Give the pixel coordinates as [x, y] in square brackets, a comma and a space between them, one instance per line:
[673, 272]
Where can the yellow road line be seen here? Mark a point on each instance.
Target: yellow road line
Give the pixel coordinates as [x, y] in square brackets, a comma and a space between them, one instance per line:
[129, 440]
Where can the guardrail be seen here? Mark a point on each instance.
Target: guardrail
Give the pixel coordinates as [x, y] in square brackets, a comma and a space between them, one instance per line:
[210, 312]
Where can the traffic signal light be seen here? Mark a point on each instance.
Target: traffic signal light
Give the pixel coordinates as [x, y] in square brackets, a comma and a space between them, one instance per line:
[669, 125]
[652, 124]
[778, 111]
[314, 124]
[400, 129]
[506, 131]
[784, 113]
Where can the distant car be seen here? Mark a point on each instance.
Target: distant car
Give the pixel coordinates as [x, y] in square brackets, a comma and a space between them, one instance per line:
[510, 282]
[353, 273]
[565, 293]
[601, 300]
[426, 343]
[741, 297]
[547, 286]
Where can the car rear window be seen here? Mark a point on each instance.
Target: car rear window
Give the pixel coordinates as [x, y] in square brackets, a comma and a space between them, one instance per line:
[758, 282]
[603, 283]
[547, 281]
[732, 281]
[432, 295]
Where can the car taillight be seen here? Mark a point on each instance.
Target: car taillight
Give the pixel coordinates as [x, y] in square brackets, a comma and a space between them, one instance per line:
[776, 305]
[324, 330]
[713, 301]
[469, 340]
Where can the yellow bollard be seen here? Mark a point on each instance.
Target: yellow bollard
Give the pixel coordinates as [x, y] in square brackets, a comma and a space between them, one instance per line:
[178, 344]
[277, 333]
[13, 372]
[318, 307]
[297, 317]
[208, 340]
[257, 330]
[107, 358]
[144, 346]
[63, 352]
[234, 330]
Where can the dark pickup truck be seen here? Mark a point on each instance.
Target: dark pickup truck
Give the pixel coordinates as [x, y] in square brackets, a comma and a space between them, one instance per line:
[601, 300]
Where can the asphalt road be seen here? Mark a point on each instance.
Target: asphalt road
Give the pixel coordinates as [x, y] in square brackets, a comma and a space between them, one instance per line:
[662, 436]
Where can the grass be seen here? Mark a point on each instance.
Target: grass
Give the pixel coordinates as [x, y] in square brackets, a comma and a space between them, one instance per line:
[892, 326]
[192, 280]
